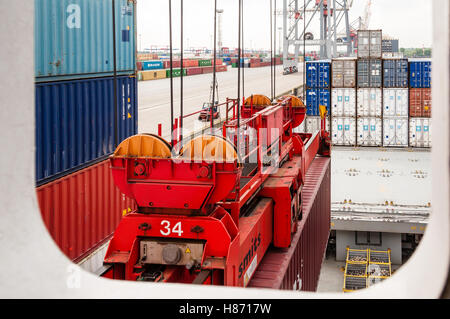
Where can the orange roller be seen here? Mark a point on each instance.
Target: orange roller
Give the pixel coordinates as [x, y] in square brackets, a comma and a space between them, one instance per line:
[144, 145]
[258, 100]
[209, 148]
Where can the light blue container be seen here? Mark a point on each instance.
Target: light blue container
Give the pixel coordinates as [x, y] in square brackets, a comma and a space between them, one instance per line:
[74, 38]
[316, 97]
[152, 65]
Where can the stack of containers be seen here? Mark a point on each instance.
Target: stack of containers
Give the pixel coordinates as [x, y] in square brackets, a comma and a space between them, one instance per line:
[343, 102]
[369, 92]
[420, 103]
[86, 104]
[318, 84]
[395, 102]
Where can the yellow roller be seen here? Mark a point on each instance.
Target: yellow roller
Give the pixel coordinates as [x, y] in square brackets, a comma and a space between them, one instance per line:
[209, 148]
[296, 102]
[258, 100]
[144, 145]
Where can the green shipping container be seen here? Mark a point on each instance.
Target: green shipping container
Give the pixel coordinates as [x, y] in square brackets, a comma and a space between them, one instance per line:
[175, 73]
[234, 65]
[204, 63]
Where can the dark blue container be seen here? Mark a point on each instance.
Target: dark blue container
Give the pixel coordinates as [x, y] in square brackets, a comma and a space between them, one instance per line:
[152, 65]
[77, 124]
[316, 97]
[318, 74]
[395, 73]
[420, 74]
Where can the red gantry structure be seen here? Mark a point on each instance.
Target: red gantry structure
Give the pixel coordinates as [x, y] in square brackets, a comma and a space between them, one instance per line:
[210, 207]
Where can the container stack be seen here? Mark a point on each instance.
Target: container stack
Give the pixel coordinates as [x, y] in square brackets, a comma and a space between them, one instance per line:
[420, 103]
[318, 84]
[86, 104]
[343, 101]
[395, 102]
[369, 92]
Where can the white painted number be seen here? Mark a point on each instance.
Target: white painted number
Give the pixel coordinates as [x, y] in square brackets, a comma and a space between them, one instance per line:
[166, 231]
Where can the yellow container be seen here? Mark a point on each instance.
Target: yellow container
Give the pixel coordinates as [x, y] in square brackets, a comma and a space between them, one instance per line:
[153, 75]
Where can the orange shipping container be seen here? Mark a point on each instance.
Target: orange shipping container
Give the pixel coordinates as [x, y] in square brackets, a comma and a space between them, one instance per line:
[420, 102]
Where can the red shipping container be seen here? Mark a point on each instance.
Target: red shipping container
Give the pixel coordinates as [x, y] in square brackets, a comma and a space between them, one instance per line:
[83, 209]
[255, 65]
[255, 60]
[139, 66]
[298, 267]
[218, 61]
[175, 64]
[193, 71]
[207, 69]
[221, 68]
[420, 102]
[187, 63]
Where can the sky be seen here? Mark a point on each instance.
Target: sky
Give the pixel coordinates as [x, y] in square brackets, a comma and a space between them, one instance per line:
[407, 20]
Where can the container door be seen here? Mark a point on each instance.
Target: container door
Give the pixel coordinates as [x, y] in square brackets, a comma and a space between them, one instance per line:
[402, 132]
[349, 131]
[426, 133]
[388, 102]
[337, 128]
[337, 99]
[389, 131]
[349, 105]
[401, 108]
[338, 74]
[363, 101]
[426, 102]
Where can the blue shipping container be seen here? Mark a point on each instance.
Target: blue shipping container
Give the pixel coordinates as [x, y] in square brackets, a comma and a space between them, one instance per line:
[152, 65]
[395, 73]
[74, 37]
[420, 74]
[76, 123]
[318, 74]
[316, 97]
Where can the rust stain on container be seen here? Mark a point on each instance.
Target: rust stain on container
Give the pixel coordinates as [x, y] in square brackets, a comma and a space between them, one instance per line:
[83, 209]
[298, 267]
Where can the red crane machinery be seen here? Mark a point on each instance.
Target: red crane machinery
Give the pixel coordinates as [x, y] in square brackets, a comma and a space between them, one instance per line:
[210, 206]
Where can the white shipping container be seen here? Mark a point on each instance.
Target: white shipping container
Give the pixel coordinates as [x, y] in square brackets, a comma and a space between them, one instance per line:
[369, 102]
[419, 132]
[369, 131]
[395, 131]
[301, 128]
[313, 124]
[395, 102]
[343, 102]
[343, 131]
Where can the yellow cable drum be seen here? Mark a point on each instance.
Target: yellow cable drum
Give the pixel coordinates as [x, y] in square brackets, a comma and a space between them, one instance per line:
[144, 145]
[257, 100]
[209, 148]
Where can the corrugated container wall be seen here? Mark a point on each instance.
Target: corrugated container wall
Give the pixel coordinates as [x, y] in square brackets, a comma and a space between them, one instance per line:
[395, 102]
[81, 210]
[369, 102]
[343, 102]
[75, 37]
[369, 73]
[420, 132]
[76, 124]
[395, 73]
[420, 74]
[369, 131]
[369, 43]
[298, 267]
[318, 74]
[343, 131]
[313, 124]
[316, 97]
[152, 65]
[343, 73]
[420, 102]
[395, 131]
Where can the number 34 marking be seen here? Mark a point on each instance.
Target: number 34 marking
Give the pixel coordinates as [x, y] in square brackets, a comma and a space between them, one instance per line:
[167, 230]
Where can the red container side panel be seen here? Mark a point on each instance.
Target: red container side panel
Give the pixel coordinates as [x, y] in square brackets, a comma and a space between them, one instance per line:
[83, 209]
[221, 68]
[420, 102]
[207, 69]
[194, 71]
[298, 267]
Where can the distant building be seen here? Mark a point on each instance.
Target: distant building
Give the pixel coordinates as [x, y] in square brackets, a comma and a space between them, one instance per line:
[389, 45]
